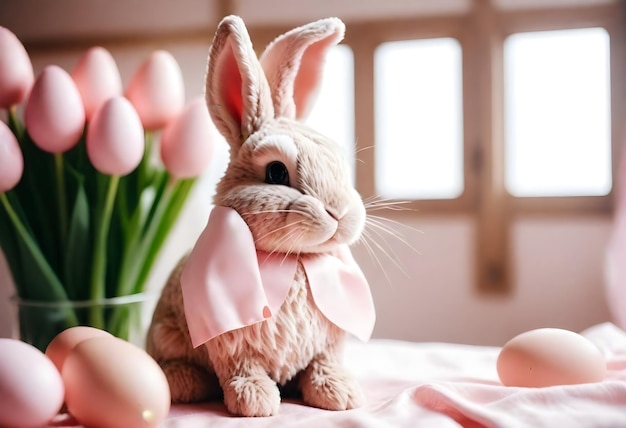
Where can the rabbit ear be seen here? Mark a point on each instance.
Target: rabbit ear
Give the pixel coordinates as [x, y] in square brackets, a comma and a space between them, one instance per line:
[237, 93]
[294, 62]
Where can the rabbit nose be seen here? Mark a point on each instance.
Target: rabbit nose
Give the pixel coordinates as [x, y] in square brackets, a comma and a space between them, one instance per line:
[336, 214]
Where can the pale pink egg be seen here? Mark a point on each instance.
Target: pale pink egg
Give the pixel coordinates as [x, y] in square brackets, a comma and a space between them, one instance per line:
[97, 78]
[157, 90]
[54, 115]
[63, 343]
[112, 383]
[115, 140]
[30, 386]
[187, 143]
[16, 70]
[11, 159]
[548, 357]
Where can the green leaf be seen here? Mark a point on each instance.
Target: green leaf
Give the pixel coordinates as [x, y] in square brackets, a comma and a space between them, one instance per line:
[39, 281]
[99, 264]
[8, 243]
[35, 192]
[173, 203]
[78, 248]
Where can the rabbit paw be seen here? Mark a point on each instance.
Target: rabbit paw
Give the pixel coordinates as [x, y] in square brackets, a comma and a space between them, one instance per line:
[190, 383]
[327, 386]
[255, 395]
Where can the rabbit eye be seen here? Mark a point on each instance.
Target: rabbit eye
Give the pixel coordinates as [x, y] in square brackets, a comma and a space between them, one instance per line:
[276, 173]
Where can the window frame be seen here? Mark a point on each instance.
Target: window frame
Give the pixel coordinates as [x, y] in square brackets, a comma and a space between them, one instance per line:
[481, 31]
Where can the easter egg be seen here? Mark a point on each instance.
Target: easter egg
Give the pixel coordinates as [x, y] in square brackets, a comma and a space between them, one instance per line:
[30, 386]
[11, 159]
[157, 90]
[187, 142]
[63, 343]
[97, 78]
[112, 383]
[16, 70]
[54, 114]
[115, 139]
[548, 357]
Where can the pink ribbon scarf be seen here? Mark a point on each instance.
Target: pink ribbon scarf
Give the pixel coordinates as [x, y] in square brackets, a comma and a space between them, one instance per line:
[227, 284]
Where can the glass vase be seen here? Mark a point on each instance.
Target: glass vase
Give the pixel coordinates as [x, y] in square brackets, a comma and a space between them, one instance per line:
[127, 317]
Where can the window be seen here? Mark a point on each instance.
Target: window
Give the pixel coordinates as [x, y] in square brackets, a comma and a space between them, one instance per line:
[558, 113]
[419, 125]
[494, 111]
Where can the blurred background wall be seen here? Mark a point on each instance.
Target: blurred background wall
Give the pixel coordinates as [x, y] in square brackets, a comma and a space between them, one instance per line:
[556, 261]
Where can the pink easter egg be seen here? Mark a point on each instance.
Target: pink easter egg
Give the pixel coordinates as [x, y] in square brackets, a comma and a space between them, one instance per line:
[157, 90]
[31, 387]
[187, 143]
[59, 348]
[54, 115]
[97, 78]
[112, 383]
[115, 140]
[11, 159]
[16, 70]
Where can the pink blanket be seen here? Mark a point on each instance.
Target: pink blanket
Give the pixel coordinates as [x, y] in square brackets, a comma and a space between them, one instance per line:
[446, 385]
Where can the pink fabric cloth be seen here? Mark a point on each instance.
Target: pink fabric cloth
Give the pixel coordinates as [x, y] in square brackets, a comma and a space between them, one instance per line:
[227, 284]
[445, 385]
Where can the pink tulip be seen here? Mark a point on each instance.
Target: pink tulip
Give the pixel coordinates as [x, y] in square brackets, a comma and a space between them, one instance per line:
[97, 78]
[11, 159]
[54, 115]
[16, 70]
[115, 143]
[157, 90]
[187, 141]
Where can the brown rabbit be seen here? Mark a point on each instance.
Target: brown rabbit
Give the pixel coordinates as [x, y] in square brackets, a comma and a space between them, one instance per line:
[290, 188]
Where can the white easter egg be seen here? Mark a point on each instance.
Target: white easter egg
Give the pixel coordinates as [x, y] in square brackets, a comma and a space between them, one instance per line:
[548, 357]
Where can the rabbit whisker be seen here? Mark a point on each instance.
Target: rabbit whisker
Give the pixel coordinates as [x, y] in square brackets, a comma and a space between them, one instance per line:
[386, 249]
[366, 240]
[289, 237]
[359, 150]
[394, 222]
[270, 212]
[278, 229]
[376, 203]
[378, 224]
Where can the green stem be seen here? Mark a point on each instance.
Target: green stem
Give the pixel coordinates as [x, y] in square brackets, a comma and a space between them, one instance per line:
[60, 182]
[145, 252]
[96, 316]
[156, 237]
[134, 230]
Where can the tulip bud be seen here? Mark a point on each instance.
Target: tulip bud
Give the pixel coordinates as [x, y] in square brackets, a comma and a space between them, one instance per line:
[11, 159]
[16, 70]
[115, 143]
[157, 90]
[97, 78]
[54, 115]
[187, 142]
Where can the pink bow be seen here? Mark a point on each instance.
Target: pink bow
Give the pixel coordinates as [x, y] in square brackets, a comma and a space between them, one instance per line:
[227, 284]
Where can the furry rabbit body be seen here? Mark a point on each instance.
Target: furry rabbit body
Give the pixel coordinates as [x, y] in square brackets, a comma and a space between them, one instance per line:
[292, 188]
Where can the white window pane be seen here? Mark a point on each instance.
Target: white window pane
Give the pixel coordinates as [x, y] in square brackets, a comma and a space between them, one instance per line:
[419, 129]
[557, 113]
[333, 112]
